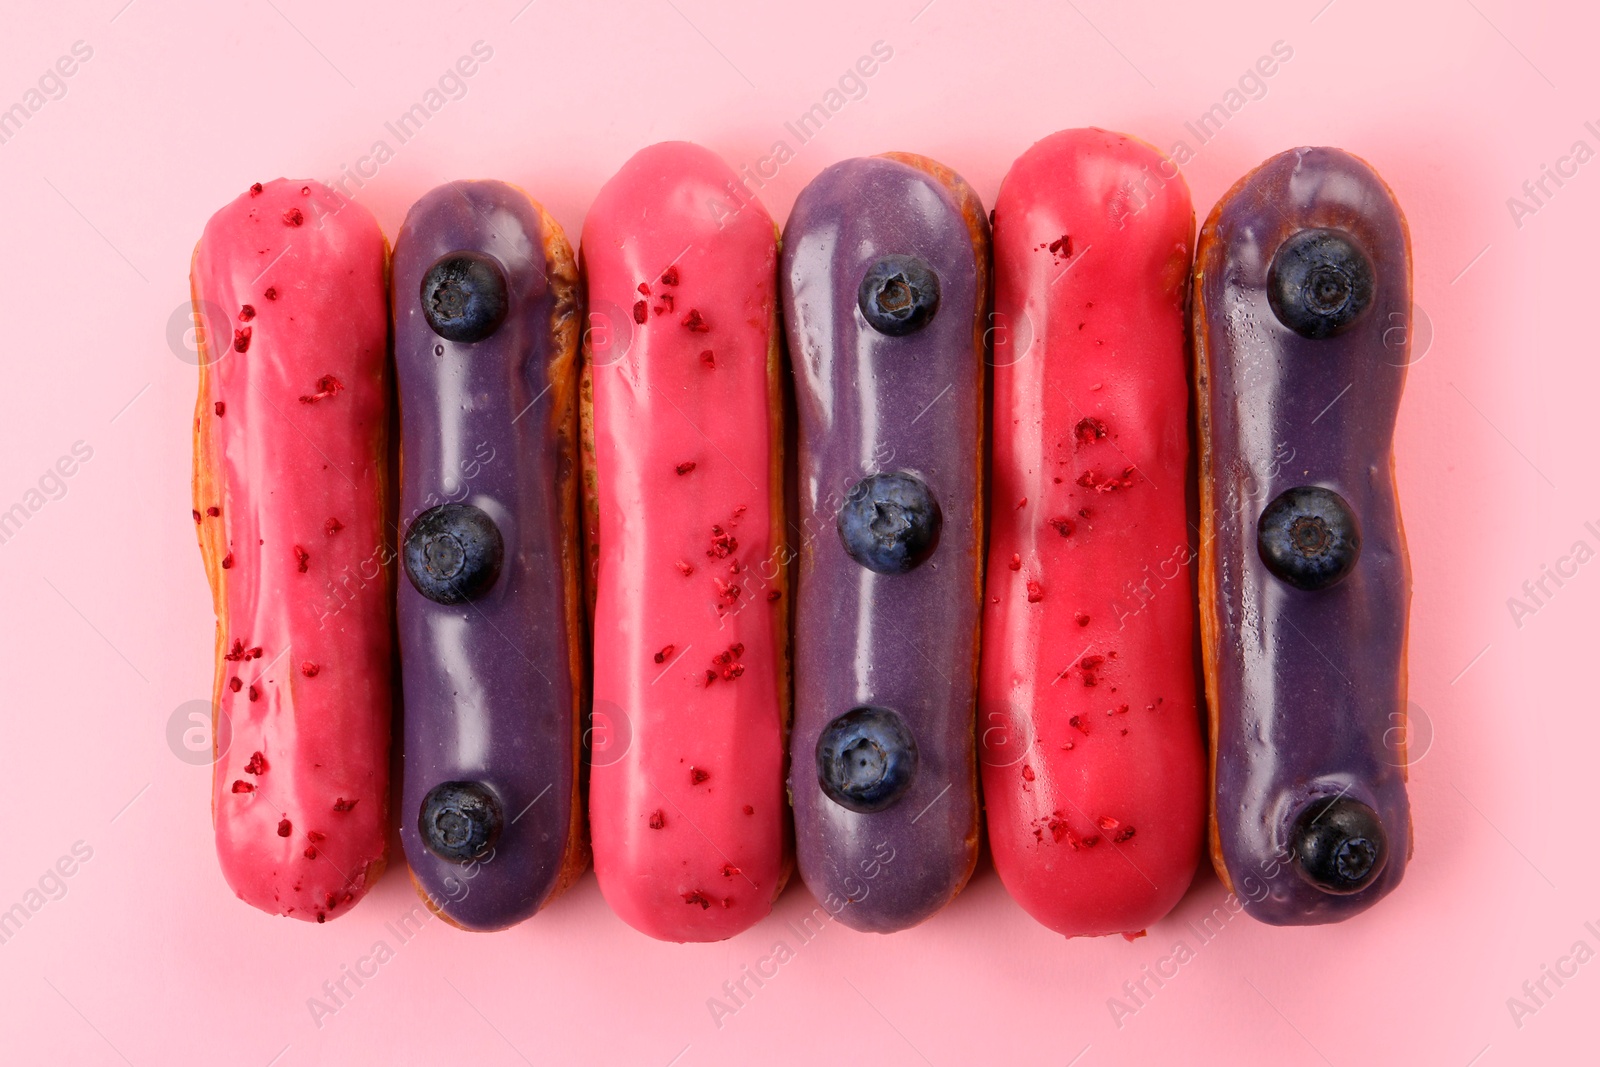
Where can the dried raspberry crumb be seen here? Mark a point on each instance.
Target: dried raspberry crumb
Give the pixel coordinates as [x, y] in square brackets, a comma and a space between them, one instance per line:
[213, 511]
[257, 764]
[341, 804]
[666, 653]
[694, 896]
[670, 275]
[246, 313]
[641, 312]
[1107, 822]
[327, 385]
[1035, 592]
[1081, 619]
[1016, 562]
[708, 359]
[729, 870]
[219, 407]
[242, 786]
[285, 828]
[332, 526]
[1061, 246]
[305, 190]
[237, 651]
[254, 653]
[748, 810]
[684, 568]
[1063, 525]
[773, 594]
[254, 693]
[310, 852]
[255, 190]
[1022, 503]
[1089, 429]
[196, 515]
[723, 544]
[696, 775]
[271, 293]
[241, 339]
[668, 301]
[711, 676]
[1027, 773]
[1076, 722]
[303, 558]
[316, 837]
[293, 217]
[309, 669]
[727, 592]
[694, 322]
[658, 819]
[644, 288]
[235, 685]
[685, 468]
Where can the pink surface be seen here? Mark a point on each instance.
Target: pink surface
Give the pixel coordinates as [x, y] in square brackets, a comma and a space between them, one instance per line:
[141, 954]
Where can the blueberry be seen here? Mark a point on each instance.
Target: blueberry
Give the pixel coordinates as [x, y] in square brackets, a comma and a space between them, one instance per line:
[1320, 283]
[453, 553]
[866, 759]
[1309, 537]
[460, 821]
[898, 295]
[1339, 845]
[890, 522]
[464, 296]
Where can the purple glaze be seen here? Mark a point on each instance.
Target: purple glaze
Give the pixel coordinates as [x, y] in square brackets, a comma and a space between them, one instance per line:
[490, 693]
[1307, 689]
[869, 403]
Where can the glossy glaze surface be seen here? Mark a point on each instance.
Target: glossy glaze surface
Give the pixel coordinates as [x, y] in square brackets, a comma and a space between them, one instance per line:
[868, 403]
[491, 684]
[1307, 689]
[291, 453]
[1089, 729]
[690, 670]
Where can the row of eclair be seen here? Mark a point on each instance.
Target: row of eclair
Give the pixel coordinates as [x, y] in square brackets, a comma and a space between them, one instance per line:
[649, 496]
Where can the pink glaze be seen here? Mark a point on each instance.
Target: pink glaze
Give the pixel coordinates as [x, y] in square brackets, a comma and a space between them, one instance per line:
[291, 447]
[1093, 771]
[686, 800]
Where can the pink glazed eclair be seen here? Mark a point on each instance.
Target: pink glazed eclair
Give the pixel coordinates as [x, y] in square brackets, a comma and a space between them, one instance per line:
[1093, 760]
[290, 493]
[683, 495]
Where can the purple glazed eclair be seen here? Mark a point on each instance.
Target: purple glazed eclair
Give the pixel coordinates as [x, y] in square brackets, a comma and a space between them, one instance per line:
[1302, 275]
[485, 337]
[884, 285]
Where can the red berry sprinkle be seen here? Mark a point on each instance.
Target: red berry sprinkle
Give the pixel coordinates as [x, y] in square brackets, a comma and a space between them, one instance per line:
[694, 896]
[327, 385]
[723, 544]
[708, 359]
[227, 561]
[310, 852]
[235, 685]
[309, 669]
[1035, 592]
[641, 312]
[316, 837]
[255, 190]
[241, 339]
[213, 511]
[254, 693]
[246, 313]
[729, 870]
[658, 819]
[341, 804]
[1027, 773]
[303, 558]
[666, 653]
[219, 407]
[696, 775]
[242, 786]
[285, 828]
[293, 217]
[1063, 526]
[271, 293]
[684, 568]
[1123, 834]
[774, 594]
[1081, 619]
[1089, 429]
[685, 468]
[1016, 562]
[670, 275]
[332, 526]
[257, 764]
[644, 288]
[196, 515]
[237, 651]
[694, 322]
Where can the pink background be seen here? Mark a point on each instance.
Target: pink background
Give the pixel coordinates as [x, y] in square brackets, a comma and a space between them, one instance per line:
[107, 626]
